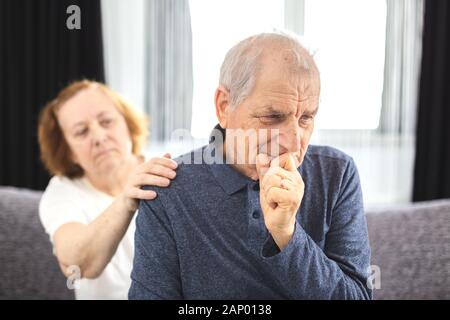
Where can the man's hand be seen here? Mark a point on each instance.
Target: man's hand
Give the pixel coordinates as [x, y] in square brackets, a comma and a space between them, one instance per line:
[281, 192]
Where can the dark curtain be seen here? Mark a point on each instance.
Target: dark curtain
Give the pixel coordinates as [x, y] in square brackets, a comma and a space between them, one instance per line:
[432, 165]
[39, 55]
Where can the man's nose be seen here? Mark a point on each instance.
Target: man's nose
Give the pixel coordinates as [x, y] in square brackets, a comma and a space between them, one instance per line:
[290, 137]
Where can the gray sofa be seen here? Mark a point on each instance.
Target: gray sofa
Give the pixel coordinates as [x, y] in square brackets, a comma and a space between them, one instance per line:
[28, 268]
[410, 245]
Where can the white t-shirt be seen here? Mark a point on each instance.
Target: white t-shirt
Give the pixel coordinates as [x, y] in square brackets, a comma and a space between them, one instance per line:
[76, 200]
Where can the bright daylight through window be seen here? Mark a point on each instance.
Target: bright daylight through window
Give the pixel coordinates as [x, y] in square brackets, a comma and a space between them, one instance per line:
[350, 58]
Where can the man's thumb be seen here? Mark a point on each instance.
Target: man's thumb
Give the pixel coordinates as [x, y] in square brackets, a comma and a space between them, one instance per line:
[262, 164]
[289, 163]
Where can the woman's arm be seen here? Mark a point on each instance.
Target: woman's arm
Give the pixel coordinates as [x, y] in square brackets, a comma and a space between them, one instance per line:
[91, 247]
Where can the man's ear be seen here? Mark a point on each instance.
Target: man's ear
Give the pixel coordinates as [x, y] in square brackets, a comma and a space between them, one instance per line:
[222, 101]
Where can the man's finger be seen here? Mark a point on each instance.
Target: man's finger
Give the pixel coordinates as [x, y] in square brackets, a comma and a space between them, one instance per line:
[285, 174]
[271, 180]
[287, 162]
[262, 165]
[287, 184]
[280, 196]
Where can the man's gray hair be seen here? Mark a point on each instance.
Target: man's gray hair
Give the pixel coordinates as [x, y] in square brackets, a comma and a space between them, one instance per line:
[241, 65]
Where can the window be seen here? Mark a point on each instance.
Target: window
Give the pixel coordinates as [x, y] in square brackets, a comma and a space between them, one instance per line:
[347, 37]
[216, 26]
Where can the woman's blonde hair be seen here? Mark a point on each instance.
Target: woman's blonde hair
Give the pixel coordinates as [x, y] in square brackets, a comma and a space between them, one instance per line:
[55, 151]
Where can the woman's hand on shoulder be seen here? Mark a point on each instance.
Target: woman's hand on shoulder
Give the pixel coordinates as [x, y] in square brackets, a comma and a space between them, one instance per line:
[154, 172]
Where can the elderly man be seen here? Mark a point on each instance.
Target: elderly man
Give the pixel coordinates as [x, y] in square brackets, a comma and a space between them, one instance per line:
[272, 222]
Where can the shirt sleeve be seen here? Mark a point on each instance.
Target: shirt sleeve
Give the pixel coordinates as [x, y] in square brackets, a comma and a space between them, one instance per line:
[60, 204]
[156, 271]
[340, 271]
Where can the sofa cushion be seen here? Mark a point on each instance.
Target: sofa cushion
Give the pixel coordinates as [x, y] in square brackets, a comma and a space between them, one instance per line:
[28, 268]
[411, 246]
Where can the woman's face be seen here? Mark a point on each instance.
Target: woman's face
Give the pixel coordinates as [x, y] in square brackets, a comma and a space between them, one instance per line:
[95, 131]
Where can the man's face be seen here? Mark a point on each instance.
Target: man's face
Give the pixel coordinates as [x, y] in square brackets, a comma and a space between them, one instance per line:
[284, 105]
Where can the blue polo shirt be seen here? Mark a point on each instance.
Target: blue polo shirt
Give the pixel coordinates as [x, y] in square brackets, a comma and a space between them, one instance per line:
[204, 237]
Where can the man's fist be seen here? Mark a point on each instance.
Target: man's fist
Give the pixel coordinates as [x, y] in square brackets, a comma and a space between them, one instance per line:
[281, 192]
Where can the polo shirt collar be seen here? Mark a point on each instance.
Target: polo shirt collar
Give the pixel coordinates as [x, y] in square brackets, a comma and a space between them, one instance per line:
[228, 178]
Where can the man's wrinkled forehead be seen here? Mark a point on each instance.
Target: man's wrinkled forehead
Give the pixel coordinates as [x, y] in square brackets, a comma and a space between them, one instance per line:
[307, 105]
[275, 86]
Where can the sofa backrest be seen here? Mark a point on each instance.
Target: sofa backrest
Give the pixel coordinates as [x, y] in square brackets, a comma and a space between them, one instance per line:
[411, 246]
[28, 269]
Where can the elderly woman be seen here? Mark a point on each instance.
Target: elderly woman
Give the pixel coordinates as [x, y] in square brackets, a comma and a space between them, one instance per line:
[90, 140]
